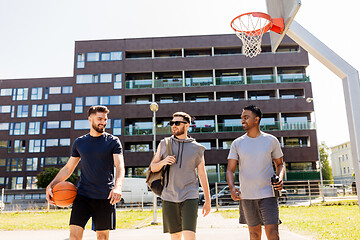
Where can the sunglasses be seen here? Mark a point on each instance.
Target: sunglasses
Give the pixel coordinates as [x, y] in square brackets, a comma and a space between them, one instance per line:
[177, 123]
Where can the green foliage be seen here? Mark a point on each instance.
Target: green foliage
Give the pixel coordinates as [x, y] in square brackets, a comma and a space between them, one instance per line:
[325, 166]
[45, 177]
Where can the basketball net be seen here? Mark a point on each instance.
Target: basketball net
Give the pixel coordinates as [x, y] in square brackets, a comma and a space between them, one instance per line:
[250, 30]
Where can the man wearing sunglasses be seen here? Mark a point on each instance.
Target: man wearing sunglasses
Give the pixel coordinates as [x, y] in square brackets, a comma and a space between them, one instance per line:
[181, 190]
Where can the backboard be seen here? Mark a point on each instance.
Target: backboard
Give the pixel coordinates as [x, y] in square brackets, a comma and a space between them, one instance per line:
[286, 9]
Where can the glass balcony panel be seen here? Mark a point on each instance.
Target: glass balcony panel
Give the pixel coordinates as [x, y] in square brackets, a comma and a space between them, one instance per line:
[230, 80]
[136, 84]
[260, 79]
[168, 83]
[198, 82]
[294, 77]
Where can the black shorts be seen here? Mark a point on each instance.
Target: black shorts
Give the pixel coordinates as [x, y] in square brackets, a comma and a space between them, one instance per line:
[256, 212]
[101, 211]
[180, 216]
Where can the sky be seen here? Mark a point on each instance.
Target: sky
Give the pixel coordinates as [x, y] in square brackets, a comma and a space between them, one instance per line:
[37, 38]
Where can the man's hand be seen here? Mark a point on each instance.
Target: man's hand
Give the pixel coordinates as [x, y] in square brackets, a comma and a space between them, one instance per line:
[206, 208]
[278, 185]
[115, 195]
[169, 160]
[235, 194]
[49, 195]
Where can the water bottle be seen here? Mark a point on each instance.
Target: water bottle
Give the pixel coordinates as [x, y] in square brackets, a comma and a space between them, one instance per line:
[275, 179]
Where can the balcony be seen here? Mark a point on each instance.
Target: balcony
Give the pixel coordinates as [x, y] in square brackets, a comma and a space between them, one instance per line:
[199, 82]
[134, 130]
[291, 78]
[261, 79]
[299, 126]
[168, 83]
[230, 80]
[138, 84]
[204, 129]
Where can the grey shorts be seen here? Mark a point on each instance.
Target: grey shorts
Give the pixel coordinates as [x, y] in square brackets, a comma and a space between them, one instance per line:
[259, 211]
[181, 216]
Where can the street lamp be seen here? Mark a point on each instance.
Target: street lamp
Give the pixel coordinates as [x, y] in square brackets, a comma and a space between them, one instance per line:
[309, 100]
[154, 107]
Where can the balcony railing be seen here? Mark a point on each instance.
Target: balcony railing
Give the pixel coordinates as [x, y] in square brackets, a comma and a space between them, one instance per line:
[295, 77]
[199, 82]
[302, 175]
[230, 80]
[261, 79]
[136, 84]
[222, 127]
[168, 83]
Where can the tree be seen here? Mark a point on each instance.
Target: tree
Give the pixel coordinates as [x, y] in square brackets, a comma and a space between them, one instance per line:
[45, 177]
[324, 159]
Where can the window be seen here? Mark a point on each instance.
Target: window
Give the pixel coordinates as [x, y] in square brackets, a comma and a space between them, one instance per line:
[66, 107]
[6, 92]
[20, 94]
[14, 165]
[64, 142]
[117, 127]
[63, 160]
[105, 78]
[81, 124]
[2, 162]
[19, 146]
[78, 105]
[31, 182]
[17, 128]
[93, 57]
[35, 146]
[52, 124]
[54, 107]
[34, 128]
[113, 100]
[207, 145]
[17, 183]
[23, 111]
[80, 60]
[50, 160]
[116, 56]
[105, 56]
[52, 142]
[84, 78]
[91, 101]
[5, 109]
[4, 126]
[118, 81]
[140, 147]
[36, 93]
[39, 110]
[66, 90]
[54, 90]
[31, 164]
[226, 144]
[46, 93]
[65, 124]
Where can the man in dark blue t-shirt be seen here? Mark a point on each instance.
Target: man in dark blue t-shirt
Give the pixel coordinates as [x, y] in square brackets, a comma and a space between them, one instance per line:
[99, 189]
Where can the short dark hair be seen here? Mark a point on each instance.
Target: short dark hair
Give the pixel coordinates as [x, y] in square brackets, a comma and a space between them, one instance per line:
[255, 110]
[184, 115]
[95, 109]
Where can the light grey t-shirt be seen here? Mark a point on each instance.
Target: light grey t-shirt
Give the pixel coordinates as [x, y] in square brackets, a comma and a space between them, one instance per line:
[183, 182]
[255, 157]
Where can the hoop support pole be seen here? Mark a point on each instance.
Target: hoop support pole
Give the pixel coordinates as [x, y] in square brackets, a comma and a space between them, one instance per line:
[277, 25]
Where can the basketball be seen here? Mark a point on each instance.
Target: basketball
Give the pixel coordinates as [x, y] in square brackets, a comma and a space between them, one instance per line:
[64, 194]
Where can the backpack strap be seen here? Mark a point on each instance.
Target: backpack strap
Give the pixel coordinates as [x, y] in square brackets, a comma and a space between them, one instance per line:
[169, 153]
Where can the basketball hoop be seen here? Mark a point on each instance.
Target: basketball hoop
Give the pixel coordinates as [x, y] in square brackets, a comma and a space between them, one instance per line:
[250, 27]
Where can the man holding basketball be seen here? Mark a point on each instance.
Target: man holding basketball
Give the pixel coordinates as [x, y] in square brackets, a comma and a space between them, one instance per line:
[98, 189]
[254, 153]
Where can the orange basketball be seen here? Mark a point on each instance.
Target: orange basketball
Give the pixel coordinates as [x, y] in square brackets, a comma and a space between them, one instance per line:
[64, 194]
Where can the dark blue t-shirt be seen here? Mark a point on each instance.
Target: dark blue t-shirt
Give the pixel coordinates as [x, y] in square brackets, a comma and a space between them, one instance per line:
[97, 164]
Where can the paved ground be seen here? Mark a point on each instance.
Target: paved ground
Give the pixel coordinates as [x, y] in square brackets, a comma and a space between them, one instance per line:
[212, 227]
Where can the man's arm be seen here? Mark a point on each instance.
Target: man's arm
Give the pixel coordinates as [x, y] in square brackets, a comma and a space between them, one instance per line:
[116, 192]
[157, 164]
[62, 175]
[280, 171]
[230, 178]
[205, 185]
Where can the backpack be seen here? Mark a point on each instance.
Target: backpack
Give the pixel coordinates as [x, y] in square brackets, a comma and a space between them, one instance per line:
[156, 180]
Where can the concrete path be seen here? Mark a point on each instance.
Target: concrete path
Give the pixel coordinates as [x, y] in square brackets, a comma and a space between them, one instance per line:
[212, 227]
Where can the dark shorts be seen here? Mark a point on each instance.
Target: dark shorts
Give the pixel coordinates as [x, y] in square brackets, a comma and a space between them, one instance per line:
[180, 216]
[259, 211]
[101, 211]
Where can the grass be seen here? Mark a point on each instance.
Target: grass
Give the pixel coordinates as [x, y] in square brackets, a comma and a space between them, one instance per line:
[60, 220]
[329, 221]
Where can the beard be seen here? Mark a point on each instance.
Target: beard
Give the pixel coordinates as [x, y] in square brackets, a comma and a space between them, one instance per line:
[99, 130]
[179, 132]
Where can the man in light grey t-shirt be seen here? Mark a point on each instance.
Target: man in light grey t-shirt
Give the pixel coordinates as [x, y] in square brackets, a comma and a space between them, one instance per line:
[254, 153]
